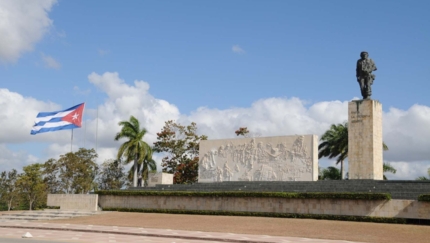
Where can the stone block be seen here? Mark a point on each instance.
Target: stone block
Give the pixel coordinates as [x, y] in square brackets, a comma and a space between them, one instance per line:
[84, 202]
[159, 178]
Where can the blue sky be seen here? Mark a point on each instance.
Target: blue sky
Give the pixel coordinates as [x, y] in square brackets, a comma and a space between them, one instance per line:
[223, 64]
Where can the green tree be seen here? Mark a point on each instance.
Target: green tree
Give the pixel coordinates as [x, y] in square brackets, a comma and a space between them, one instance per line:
[112, 175]
[78, 171]
[330, 173]
[181, 143]
[8, 187]
[388, 168]
[335, 145]
[135, 149]
[423, 178]
[51, 176]
[243, 131]
[148, 166]
[30, 184]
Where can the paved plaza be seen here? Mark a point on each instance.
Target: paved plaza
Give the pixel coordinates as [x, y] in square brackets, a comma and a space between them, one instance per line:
[150, 227]
[95, 233]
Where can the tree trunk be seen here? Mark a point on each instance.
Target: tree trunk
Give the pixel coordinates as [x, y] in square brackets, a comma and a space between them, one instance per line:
[31, 204]
[342, 174]
[135, 173]
[9, 205]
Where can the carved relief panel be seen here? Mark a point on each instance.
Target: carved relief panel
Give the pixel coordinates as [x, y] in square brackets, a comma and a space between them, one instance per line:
[286, 158]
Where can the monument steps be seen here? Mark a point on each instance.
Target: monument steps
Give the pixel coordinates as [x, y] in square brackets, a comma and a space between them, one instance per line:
[46, 214]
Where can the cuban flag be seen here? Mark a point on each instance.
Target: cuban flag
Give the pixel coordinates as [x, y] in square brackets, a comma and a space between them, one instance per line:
[58, 120]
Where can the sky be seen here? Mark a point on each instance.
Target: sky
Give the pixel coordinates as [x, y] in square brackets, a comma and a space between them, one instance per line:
[276, 67]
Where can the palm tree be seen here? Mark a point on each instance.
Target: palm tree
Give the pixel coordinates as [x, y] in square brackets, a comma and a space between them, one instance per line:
[335, 144]
[148, 166]
[423, 178]
[387, 167]
[135, 149]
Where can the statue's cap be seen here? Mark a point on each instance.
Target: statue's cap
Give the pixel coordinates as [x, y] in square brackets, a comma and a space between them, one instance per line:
[364, 52]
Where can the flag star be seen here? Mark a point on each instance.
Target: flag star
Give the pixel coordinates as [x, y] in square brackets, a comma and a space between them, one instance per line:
[75, 116]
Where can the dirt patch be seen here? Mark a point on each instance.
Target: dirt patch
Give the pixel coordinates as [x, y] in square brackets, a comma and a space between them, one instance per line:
[318, 229]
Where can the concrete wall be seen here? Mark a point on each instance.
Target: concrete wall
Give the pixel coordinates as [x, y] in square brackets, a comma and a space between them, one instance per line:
[283, 158]
[84, 202]
[381, 208]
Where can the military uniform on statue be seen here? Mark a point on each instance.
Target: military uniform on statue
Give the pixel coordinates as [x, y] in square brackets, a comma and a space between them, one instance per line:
[365, 67]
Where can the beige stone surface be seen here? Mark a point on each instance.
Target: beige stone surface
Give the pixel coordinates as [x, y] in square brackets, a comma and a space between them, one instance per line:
[365, 140]
[86, 202]
[309, 228]
[375, 208]
[160, 178]
[282, 158]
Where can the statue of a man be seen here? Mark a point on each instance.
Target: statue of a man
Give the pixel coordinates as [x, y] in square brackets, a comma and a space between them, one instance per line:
[365, 67]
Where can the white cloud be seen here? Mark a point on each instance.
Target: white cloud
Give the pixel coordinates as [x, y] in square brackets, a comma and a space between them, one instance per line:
[61, 34]
[80, 91]
[22, 24]
[18, 115]
[14, 160]
[408, 170]
[102, 52]
[270, 117]
[405, 131]
[238, 49]
[125, 100]
[50, 62]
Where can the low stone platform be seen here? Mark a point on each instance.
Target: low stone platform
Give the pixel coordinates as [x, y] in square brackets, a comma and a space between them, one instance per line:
[398, 189]
[46, 214]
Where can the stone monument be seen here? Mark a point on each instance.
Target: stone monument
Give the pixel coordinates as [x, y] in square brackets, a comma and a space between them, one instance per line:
[283, 158]
[160, 178]
[365, 127]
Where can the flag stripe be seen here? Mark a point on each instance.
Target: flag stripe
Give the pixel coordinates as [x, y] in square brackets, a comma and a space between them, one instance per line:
[41, 123]
[51, 129]
[50, 124]
[45, 118]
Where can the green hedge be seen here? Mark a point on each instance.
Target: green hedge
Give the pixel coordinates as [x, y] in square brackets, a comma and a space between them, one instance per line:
[265, 214]
[424, 198]
[51, 207]
[292, 195]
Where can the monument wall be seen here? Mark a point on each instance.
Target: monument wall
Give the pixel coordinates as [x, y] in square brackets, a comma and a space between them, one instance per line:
[373, 208]
[282, 158]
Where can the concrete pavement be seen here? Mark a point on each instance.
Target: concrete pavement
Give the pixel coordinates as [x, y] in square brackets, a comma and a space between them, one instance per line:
[94, 233]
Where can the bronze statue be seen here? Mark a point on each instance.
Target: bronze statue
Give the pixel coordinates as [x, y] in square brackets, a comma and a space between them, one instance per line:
[365, 67]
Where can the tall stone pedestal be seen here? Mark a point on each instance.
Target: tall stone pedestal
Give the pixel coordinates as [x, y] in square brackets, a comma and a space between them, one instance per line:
[365, 140]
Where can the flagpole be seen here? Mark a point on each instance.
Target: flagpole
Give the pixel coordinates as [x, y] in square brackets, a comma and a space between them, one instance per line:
[85, 133]
[85, 124]
[97, 126]
[71, 142]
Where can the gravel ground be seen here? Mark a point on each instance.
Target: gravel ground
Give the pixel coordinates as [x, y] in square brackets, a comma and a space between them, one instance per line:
[318, 229]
